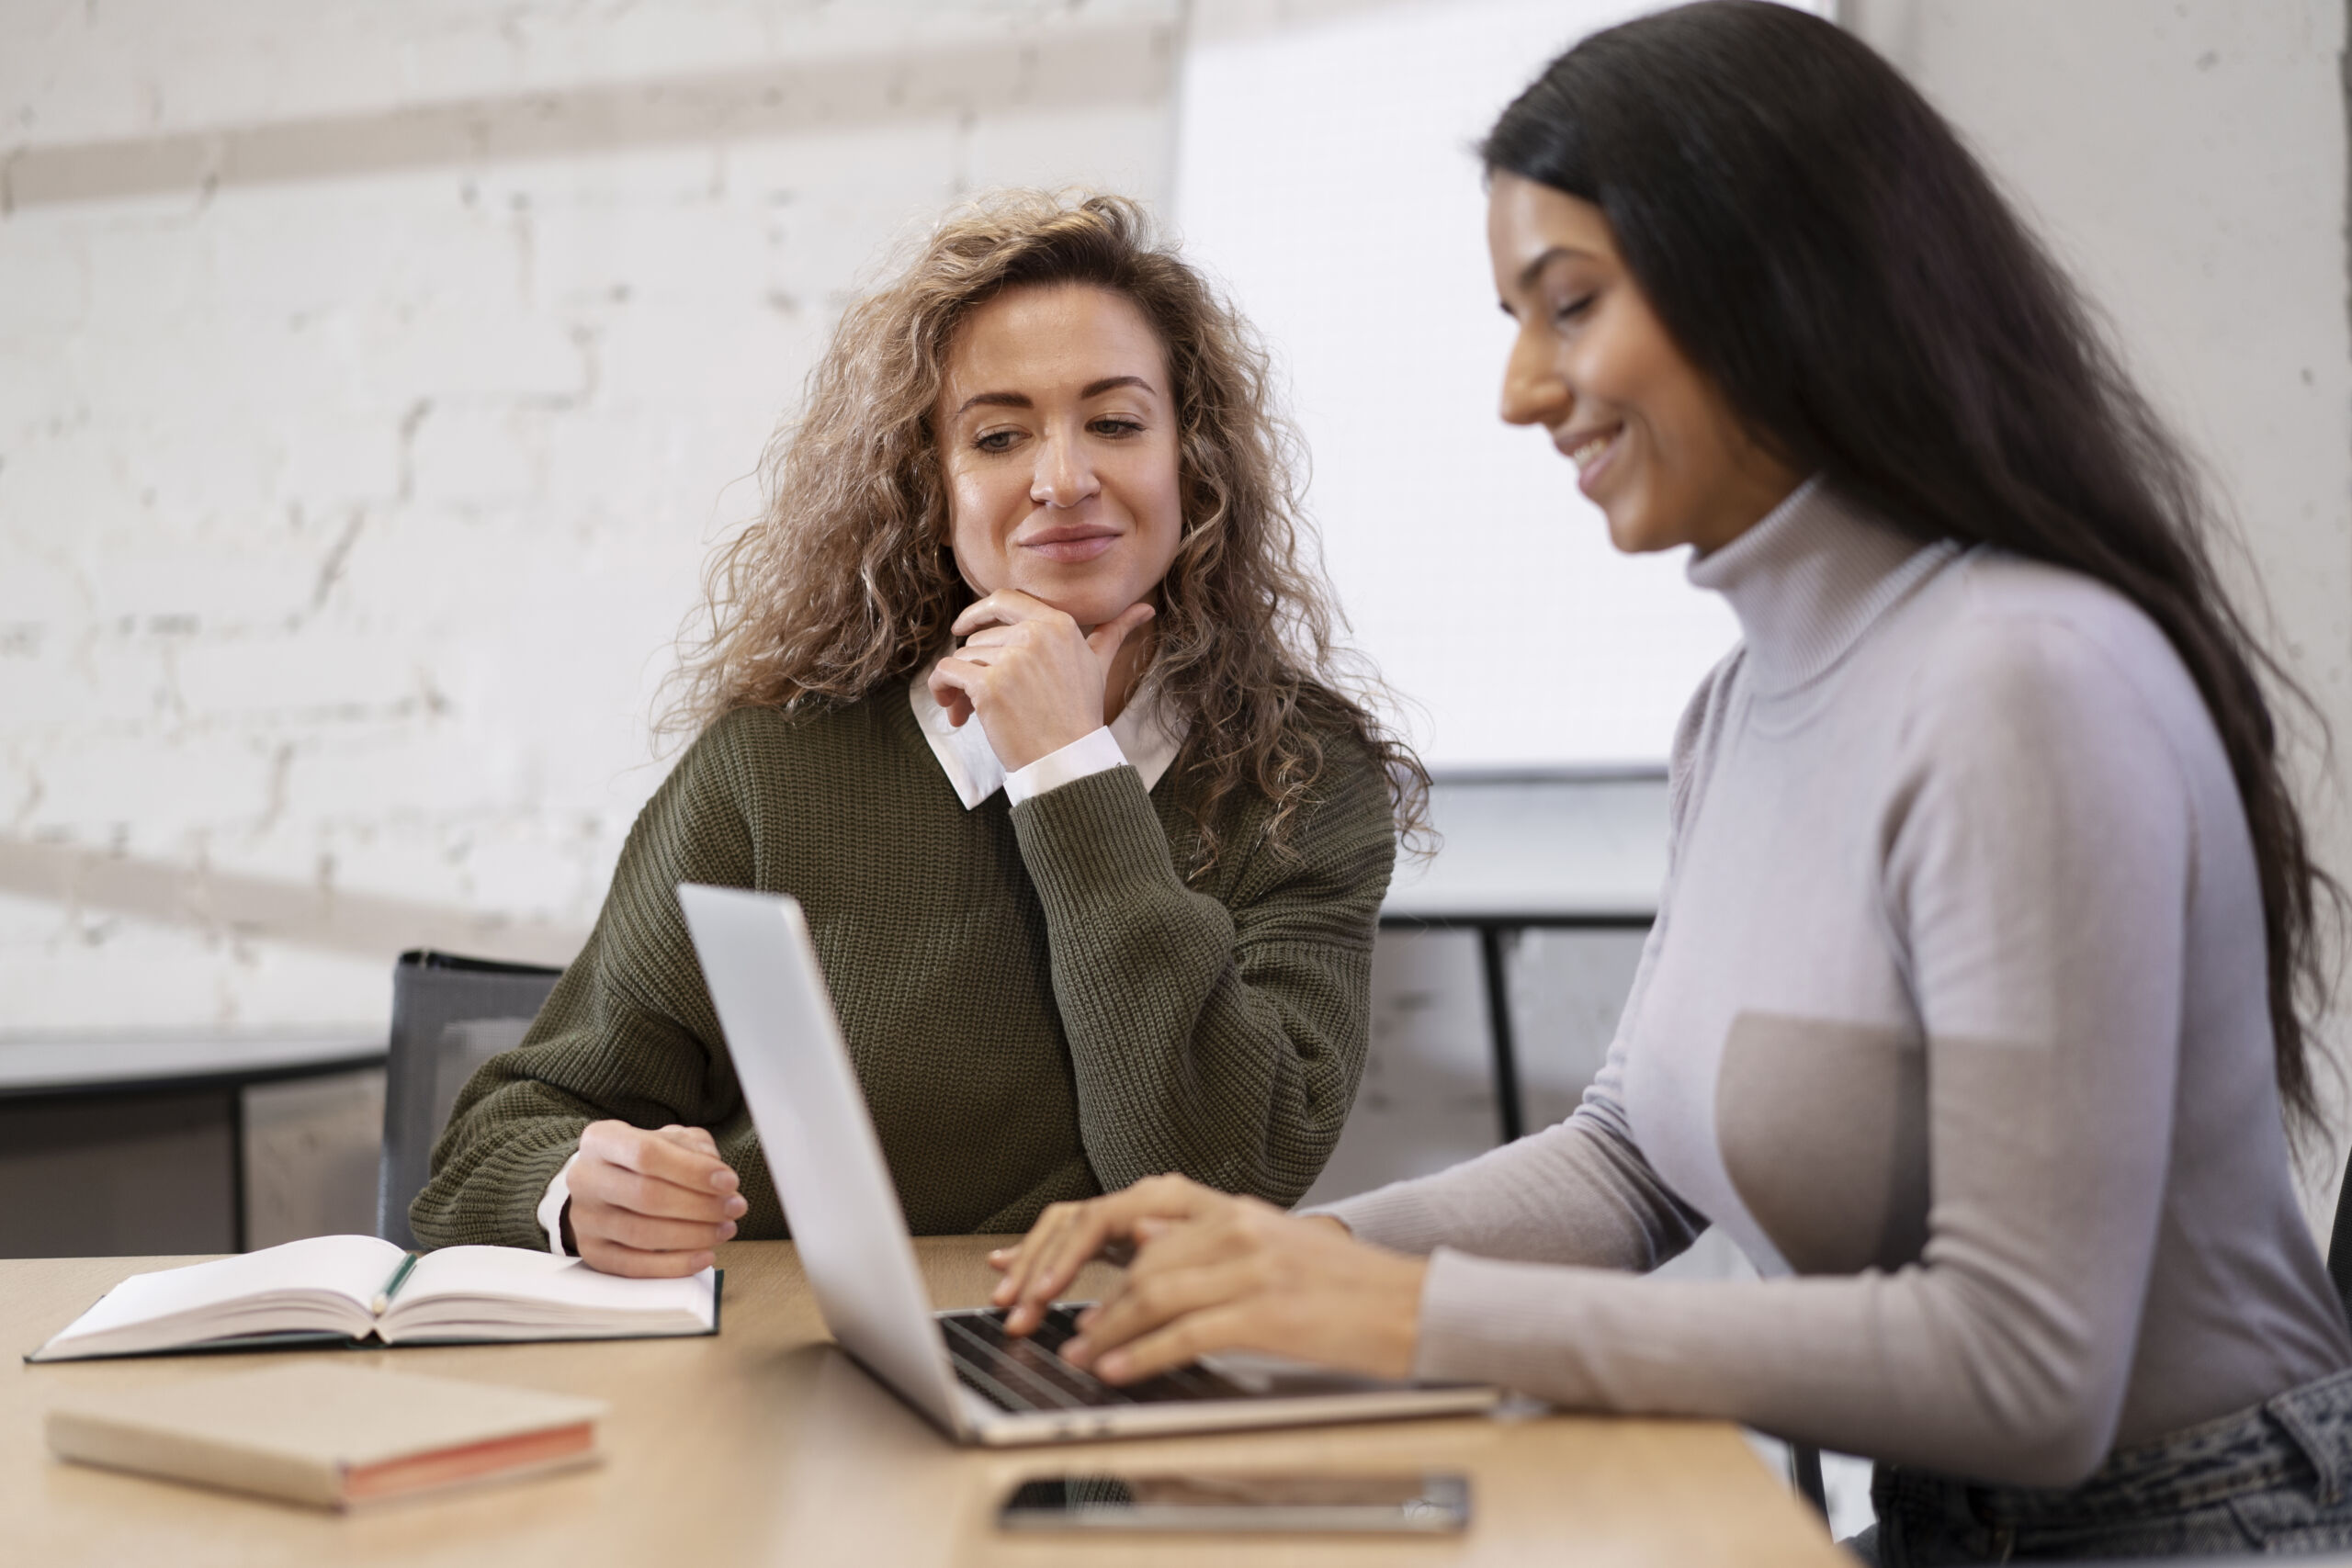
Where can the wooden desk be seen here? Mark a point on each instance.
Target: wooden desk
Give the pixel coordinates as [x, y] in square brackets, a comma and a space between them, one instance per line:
[768, 1445]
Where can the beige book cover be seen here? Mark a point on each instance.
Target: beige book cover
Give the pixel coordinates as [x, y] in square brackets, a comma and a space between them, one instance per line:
[326, 1434]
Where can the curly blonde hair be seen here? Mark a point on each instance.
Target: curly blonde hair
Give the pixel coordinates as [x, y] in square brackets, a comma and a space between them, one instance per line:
[846, 583]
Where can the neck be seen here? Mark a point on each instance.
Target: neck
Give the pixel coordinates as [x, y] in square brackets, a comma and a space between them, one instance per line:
[1759, 485]
[1126, 671]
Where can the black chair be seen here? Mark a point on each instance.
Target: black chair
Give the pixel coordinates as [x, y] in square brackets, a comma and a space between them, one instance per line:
[450, 1015]
[2339, 1246]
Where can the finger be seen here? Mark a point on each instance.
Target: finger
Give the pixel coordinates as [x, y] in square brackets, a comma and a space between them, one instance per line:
[1059, 1261]
[696, 1139]
[648, 1232]
[1181, 1343]
[1098, 1226]
[1169, 1195]
[957, 684]
[1106, 639]
[1003, 607]
[611, 1258]
[600, 1181]
[1150, 1301]
[1026, 1290]
[616, 1189]
[649, 1155]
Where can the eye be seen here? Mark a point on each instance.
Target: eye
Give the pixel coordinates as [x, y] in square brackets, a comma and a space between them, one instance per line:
[1117, 425]
[995, 440]
[1575, 309]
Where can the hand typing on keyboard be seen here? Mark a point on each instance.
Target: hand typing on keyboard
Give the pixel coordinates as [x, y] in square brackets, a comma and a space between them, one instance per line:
[1208, 1272]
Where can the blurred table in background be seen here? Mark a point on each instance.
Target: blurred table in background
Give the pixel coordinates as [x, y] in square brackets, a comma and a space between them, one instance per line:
[1581, 851]
[129, 1143]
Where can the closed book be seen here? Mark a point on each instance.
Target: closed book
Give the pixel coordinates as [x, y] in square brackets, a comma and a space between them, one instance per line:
[325, 1434]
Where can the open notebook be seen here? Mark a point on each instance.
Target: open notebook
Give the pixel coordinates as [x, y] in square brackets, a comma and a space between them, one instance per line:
[346, 1289]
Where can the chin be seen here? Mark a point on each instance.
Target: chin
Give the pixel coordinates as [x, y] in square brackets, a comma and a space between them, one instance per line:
[1088, 603]
[1636, 533]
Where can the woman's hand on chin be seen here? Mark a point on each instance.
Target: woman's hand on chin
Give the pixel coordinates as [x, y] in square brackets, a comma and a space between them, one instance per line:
[1210, 1272]
[1033, 677]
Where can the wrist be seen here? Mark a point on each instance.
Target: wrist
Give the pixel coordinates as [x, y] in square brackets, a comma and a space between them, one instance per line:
[1404, 1336]
[1018, 745]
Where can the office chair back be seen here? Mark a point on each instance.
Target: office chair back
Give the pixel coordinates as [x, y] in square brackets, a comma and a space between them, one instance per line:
[450, 1015]
[2339, 1246]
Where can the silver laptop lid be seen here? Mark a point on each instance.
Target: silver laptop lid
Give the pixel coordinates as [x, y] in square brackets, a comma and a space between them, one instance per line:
[819, 1141]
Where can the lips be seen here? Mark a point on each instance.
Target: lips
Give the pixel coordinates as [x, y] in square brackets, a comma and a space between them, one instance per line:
[1070, 543]
[1591, 451]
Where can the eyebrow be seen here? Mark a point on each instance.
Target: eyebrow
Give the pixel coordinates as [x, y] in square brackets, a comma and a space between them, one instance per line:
[1022, 399]
[1528, 274]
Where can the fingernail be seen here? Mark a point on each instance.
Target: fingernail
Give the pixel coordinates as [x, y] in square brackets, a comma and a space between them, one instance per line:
[727, 1231]
[1003, 1294]
[735, 1207]
[722, 1178]
[1076, 1349]
[1113, 1367]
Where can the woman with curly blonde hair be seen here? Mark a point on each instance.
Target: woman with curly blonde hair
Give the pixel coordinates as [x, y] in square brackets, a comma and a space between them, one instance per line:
[1022, 686]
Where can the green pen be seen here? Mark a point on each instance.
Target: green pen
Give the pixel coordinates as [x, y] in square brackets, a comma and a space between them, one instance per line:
[392, 1286]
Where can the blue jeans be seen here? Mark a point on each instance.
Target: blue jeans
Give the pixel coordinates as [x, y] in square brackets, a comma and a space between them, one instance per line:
[2277, 1478]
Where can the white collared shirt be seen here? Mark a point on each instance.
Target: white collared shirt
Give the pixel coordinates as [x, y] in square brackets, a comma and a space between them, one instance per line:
[1146, 736]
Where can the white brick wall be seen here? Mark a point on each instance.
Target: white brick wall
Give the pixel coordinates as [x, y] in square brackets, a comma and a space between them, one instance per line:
[353, 486]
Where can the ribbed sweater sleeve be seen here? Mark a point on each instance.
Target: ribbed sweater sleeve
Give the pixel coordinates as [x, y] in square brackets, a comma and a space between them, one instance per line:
[1223, 1039]
[622, 1036]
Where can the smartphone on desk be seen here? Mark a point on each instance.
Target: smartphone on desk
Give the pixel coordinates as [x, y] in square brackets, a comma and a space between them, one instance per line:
[1380, 1505]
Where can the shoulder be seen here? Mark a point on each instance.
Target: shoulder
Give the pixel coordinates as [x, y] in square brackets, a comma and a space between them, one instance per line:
[763, 740]
[1350, 791]
[2032, 678]
[2041, 643]
[1343, 822]
[1697, 732]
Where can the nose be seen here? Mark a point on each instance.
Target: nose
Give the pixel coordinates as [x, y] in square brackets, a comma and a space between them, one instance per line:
[1534, 392]
[1064, 478]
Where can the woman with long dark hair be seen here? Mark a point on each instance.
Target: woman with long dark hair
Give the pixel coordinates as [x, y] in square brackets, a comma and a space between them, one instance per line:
[1973, 1009]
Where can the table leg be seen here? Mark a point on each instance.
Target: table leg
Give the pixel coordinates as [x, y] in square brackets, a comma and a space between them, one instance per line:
[1510, 1113]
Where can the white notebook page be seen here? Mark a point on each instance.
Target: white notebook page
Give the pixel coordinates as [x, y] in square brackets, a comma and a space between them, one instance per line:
[544, 1277]
[353, 1266]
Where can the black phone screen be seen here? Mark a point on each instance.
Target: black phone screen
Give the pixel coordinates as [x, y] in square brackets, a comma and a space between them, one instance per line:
[1408, 1503]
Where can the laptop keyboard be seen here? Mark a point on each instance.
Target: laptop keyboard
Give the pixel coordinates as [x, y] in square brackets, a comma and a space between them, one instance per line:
[1028, 1374]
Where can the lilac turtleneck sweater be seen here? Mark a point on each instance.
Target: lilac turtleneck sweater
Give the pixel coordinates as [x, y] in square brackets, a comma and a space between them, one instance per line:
[1954, 1016]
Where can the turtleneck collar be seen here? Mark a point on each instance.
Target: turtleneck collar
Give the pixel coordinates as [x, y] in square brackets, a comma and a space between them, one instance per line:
[1809, 579]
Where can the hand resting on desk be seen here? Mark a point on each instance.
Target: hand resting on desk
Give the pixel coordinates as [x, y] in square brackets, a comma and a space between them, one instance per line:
[1208, 1272]
[649, 1204]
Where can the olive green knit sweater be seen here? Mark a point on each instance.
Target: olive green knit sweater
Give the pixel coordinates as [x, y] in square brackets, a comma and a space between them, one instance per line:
[1038, 1006]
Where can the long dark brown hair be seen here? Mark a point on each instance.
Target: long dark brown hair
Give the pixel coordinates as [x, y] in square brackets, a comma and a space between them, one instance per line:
[1819, 242]
[846, 583]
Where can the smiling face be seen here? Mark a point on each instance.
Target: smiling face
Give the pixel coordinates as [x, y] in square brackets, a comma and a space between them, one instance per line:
[1655, 444]
[1057, 439]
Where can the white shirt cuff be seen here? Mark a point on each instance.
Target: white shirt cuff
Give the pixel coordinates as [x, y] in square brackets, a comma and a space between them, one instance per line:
[1087, 755]
[551, 1206]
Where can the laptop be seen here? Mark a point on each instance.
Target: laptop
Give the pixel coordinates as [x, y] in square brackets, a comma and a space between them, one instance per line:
[975, 1382]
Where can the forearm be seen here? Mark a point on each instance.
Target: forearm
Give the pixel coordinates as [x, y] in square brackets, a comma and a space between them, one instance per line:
[1224, 1047]
[492, 1166]
[1577, 1193]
